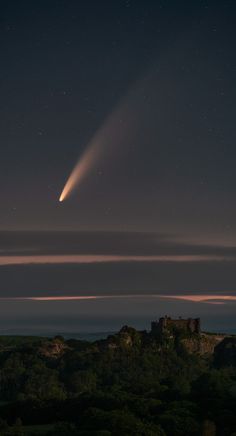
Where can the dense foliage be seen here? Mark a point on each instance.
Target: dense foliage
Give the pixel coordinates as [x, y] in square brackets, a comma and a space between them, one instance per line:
[130, 384]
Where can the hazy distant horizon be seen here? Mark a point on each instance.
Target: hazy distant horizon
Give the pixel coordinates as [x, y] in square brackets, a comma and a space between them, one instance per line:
[108, 315]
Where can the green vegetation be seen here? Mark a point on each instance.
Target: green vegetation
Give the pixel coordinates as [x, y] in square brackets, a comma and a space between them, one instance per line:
[131, 384]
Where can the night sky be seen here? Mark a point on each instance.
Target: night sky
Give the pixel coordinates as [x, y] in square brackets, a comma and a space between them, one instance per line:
[145, 91]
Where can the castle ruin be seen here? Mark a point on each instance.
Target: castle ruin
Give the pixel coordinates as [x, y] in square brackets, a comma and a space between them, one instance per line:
[168, 325]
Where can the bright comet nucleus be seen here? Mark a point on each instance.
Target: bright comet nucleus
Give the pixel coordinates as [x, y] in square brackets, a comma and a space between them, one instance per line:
[81, 170]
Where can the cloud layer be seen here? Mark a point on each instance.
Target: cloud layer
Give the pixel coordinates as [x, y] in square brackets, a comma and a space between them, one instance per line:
[51, 264]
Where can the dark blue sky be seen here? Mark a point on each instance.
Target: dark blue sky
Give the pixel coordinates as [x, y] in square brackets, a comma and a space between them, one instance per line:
[170, 69]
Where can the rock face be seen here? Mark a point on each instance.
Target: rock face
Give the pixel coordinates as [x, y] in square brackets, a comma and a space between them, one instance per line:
[127, 337]
[185, 333]
[195, 343]
[203, 344]
[225, 352]
[53, 349]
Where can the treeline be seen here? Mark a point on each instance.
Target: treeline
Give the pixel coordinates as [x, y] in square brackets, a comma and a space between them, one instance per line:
[129, 385]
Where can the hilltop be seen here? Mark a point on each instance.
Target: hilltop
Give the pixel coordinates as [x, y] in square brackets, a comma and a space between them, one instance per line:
[169, 382]
[174, 334]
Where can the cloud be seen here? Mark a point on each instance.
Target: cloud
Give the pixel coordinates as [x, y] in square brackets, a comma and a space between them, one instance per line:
[105, 242]
[35, 264]
[169, 278]
[105, 258]
[202, 298]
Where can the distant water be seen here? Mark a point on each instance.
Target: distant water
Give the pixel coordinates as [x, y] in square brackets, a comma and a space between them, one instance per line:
[83, 336]
[95, 319]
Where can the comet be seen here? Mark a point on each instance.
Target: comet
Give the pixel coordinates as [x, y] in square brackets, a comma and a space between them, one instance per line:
[118, 131]
[81, 170]
[104, 145]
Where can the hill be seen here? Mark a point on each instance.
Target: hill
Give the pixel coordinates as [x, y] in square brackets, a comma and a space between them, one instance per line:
[136, 383]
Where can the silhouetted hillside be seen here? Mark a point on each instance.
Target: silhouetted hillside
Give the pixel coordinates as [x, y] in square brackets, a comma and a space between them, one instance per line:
[132, 383]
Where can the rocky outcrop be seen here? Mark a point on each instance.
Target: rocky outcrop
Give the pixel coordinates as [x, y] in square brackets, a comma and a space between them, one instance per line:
[203, 344]
[127, 337]
[53, 349]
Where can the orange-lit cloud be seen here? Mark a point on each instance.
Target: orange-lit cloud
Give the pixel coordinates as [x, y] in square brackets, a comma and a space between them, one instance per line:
[203, 298]
[104, 258]
[212, 299]
[66, 298]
